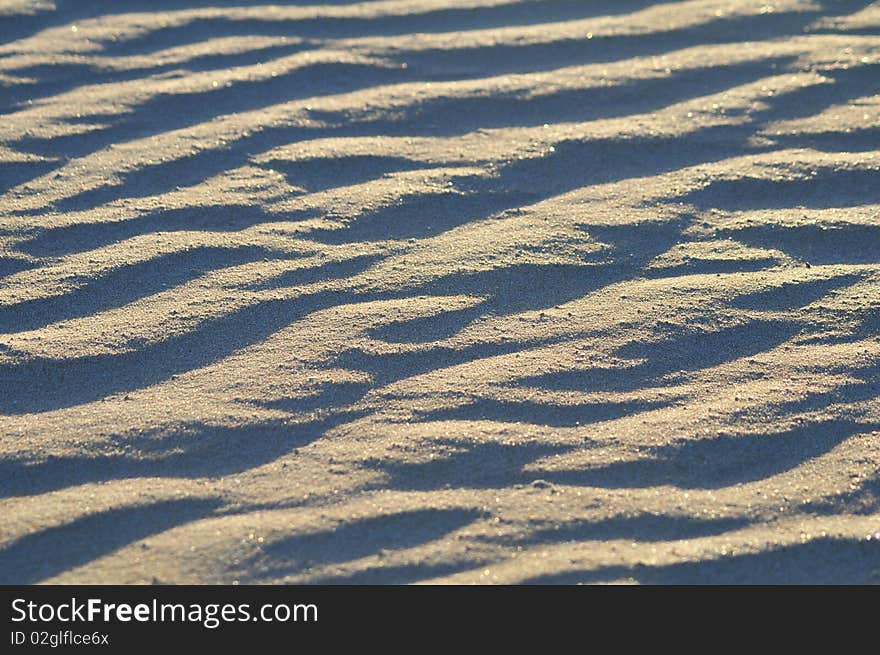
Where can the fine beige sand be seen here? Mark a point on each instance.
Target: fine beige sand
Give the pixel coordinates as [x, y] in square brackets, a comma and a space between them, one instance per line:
[444, 291]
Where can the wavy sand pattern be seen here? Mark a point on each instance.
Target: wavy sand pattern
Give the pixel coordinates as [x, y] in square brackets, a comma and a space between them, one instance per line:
[453, 291]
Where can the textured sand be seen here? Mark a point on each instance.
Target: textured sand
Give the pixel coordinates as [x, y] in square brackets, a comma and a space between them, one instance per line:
[440, 291]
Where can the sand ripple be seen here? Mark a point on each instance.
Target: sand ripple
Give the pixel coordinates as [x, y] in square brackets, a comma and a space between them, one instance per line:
[450, 291]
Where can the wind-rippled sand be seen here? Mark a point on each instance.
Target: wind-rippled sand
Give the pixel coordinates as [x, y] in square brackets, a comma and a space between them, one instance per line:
[440, 291]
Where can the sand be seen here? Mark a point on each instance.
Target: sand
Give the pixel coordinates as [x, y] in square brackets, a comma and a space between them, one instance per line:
[440, 291]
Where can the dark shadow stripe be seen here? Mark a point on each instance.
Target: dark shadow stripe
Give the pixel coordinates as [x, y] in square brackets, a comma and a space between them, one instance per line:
[47, 553]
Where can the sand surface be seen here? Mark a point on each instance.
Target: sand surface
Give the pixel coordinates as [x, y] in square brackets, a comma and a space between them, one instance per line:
[448, 291]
